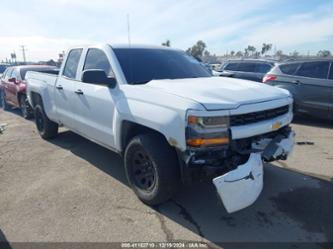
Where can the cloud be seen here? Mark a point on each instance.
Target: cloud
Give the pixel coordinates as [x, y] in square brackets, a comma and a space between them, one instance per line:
[48, 27]
[293, 31]
[37, 47]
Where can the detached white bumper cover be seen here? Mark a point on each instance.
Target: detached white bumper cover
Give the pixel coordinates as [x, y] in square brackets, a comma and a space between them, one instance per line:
[241, 187]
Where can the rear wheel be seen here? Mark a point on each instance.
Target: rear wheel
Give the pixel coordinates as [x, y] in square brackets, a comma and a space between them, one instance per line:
[47, 129]
[152, 168]
[25, 107]
[4, 104]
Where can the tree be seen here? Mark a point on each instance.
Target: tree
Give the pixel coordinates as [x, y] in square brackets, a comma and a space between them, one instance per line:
[239, 54]
[167, 43]
[251, 49]
[232, 53]
[294, 54]
[246, 52]
[198, 49]
[265, 48]
[256, 54]
[324, 53]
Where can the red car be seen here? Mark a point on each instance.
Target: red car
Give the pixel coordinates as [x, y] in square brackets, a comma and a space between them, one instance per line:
[13, 87]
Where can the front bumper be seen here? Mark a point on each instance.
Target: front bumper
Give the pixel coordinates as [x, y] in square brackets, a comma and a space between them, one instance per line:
[241, 187]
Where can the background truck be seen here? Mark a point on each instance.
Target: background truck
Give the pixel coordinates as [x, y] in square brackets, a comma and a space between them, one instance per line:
[168, 117]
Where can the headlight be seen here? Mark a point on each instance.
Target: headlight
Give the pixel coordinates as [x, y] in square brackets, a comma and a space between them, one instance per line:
[207, 131]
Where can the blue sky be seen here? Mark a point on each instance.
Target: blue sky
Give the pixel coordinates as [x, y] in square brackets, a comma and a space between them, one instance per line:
[50, 26]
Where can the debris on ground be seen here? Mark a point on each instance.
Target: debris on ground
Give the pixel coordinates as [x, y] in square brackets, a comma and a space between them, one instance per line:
[305, 143]
[2, 128]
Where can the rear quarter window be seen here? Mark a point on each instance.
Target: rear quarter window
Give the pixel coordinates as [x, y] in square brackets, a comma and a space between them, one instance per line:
[289, 69]
[317, 69]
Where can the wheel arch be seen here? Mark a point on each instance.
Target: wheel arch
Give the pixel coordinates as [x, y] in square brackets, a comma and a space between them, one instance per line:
[130, 129]
[35, 98]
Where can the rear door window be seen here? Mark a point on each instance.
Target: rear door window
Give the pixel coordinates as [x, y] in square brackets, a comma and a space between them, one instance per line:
[72, 63]
[289, 69]
[318, 69]
[331, 72]
[231, 67]
[262, 67]
[247, 67]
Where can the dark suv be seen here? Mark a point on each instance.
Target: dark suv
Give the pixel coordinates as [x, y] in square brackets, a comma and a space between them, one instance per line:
[248, 69]
[310, 82]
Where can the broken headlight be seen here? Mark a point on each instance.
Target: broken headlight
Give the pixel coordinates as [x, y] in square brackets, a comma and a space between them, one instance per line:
[207, 131]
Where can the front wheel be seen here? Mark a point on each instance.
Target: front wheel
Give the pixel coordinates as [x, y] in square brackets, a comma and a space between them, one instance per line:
[46, 128]
[152, 168]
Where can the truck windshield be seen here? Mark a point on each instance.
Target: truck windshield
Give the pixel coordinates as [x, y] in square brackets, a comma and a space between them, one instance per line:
[141, 65]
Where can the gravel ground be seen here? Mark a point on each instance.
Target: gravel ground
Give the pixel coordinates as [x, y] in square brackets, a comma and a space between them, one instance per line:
[70, 189]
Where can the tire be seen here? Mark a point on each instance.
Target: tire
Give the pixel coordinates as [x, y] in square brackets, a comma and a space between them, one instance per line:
[25, 107]
[47, 129]
[157, 158]
[4, 104]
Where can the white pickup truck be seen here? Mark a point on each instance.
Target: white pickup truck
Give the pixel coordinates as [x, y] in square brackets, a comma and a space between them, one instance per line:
[168, 117]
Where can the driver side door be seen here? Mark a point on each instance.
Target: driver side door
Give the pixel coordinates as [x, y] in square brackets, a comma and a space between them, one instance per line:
[95, 102]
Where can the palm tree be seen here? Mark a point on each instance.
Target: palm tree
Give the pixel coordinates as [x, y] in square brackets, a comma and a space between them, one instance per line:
[265, 48]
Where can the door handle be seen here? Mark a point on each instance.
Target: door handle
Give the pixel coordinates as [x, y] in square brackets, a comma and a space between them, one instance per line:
[296, 82]
[59, 87]
[79, 91]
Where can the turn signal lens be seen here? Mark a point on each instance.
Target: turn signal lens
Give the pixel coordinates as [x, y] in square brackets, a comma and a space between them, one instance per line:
[197, 142]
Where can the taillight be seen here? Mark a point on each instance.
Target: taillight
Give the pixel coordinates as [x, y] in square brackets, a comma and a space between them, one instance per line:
[268, 77]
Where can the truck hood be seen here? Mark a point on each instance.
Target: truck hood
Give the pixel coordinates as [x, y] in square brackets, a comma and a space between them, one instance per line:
[218, 93]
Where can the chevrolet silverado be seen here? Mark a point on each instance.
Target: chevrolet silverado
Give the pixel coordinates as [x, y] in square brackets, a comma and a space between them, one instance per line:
[167, 116]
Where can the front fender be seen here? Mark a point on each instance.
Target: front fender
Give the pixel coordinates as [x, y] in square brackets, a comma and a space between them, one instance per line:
[167, 121]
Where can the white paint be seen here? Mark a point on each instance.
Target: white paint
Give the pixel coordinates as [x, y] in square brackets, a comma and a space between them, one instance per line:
[241, 187]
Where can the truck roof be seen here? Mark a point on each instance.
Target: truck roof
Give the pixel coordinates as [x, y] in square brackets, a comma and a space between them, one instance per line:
[124, 45]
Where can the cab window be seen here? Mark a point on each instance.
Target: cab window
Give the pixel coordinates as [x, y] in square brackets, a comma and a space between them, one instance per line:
[72, 63]
[96, 59]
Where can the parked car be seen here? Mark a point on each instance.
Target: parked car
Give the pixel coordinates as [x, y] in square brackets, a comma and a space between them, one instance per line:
[169, 118]
[310, 82]
[248, 69]
[13, 87]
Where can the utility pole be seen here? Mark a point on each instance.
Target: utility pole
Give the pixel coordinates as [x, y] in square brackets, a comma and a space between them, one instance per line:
[23, 53]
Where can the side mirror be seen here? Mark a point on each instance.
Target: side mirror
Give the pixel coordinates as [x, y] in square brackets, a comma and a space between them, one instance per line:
[13, 80]
[98, 77]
